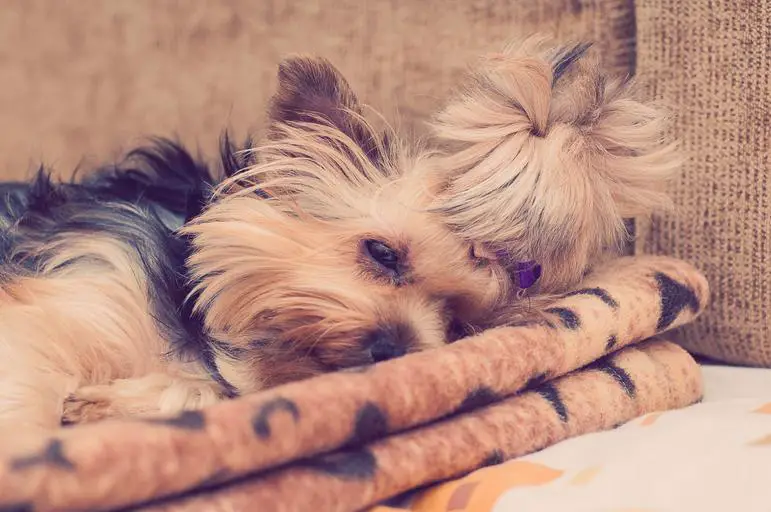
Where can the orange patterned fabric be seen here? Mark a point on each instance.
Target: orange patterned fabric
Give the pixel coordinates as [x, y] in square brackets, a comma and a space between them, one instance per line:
[349, 440]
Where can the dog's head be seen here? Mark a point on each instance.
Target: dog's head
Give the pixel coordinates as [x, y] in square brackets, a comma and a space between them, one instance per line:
[340, 246]
[325, 254]
[546, 156]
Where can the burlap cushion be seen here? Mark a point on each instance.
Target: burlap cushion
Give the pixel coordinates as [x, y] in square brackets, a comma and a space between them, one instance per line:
[711, 62]
[80, 80]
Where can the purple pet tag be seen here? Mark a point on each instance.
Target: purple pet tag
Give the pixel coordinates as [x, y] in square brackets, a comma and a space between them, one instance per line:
[527, 272]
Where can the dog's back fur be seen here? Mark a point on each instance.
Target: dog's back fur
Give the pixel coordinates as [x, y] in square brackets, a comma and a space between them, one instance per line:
[140, 202]
[136, 206]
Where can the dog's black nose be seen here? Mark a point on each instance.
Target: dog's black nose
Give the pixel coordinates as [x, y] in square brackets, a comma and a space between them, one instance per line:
[386, 344]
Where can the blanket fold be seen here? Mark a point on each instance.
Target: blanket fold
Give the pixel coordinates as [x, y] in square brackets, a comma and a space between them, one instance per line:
[656, 376]
[124, 463]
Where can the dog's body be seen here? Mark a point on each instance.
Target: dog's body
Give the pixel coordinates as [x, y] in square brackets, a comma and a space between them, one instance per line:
[156, 286]
[94, 290]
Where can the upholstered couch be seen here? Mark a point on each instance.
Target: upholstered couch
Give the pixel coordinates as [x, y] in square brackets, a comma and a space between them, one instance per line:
[82, 80]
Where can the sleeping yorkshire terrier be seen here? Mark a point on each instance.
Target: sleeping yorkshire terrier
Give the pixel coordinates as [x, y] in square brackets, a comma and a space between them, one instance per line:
[161, 284]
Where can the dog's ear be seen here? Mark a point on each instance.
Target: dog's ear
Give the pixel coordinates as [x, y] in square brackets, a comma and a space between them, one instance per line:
[321, 157]
[312, 93]
[309, 87]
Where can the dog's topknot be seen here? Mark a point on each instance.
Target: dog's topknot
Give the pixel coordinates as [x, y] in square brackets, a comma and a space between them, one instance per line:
[546, 157]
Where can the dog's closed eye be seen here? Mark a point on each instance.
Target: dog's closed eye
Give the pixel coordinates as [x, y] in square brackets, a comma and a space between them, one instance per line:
[383, 255]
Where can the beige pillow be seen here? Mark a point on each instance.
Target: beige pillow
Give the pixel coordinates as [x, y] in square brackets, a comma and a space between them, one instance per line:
[711, 62]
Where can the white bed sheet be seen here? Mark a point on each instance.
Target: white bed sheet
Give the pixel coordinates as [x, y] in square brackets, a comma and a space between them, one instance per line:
[730, 382]
[712, 457]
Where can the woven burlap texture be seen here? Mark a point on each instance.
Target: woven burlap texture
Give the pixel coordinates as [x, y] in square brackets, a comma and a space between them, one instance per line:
[711, 62]
[83, 80]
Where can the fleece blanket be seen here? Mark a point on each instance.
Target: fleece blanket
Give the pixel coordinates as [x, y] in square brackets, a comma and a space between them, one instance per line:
[349, 440]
